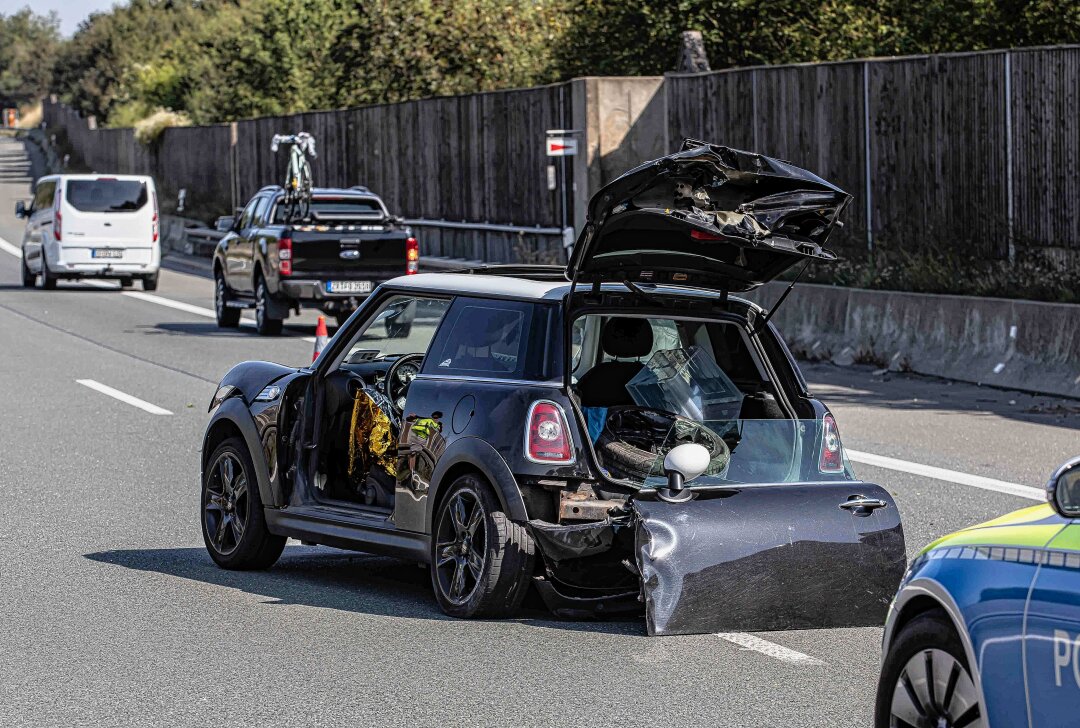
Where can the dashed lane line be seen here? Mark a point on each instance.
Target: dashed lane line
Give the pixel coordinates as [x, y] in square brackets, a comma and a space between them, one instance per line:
[769, 649]
[951, 476]
[124, 397]
[9, 248]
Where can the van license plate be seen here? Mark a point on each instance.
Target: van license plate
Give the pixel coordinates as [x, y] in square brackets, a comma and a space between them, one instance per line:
[348, 286]
[106, 253]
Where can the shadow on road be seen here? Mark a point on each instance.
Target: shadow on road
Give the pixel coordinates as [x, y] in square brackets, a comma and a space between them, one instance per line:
[331, 579]
[861, 386]
[209, 328]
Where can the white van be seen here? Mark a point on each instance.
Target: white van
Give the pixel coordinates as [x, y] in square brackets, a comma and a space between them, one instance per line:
[91, 226]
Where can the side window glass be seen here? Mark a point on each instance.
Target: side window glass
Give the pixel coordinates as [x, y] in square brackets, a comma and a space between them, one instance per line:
[483, 338]
[248, 214]
[262, 212]
[43, 197]
[402, 325]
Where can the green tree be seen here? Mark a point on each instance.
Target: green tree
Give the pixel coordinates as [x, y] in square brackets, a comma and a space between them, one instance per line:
[28, 46]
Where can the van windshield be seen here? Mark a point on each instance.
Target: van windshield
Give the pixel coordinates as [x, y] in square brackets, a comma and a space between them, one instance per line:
[106, 195]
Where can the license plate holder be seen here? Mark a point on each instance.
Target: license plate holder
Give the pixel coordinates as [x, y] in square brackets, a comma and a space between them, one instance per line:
[348, 286]
[106, 253]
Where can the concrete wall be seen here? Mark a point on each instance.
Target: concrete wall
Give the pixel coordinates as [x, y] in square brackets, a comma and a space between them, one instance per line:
[1023, 345]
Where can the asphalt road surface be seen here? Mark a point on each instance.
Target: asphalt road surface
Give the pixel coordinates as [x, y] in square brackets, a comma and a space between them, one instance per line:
[111, 613]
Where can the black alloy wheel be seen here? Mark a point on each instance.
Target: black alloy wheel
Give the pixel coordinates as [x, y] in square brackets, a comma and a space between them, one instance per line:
[265, 325]
[925, 681]
[461, 546]
[225, 504]
[227, 317]
[481, 561]
[233, 523]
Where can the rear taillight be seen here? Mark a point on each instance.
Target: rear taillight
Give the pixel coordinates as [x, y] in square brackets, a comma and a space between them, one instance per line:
[832, 452]
[547, 437]
[57, 233]
[155, 223]
[284, 254]
[412, 255]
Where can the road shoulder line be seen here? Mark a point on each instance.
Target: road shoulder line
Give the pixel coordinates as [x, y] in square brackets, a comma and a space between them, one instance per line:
[951, 476]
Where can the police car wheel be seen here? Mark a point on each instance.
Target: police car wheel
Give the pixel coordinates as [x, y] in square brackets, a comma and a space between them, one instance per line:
[925, 680]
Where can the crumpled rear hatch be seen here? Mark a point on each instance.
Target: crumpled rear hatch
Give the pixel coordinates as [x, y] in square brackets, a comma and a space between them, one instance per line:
[707, 216]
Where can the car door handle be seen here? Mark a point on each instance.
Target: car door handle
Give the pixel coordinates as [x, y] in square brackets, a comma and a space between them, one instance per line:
[862, 506]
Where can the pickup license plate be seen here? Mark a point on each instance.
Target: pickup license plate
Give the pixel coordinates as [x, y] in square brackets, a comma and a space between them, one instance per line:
[348, 286]
[106, 253]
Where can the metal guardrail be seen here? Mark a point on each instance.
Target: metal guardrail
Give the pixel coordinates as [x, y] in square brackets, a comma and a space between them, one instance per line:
[488, 226]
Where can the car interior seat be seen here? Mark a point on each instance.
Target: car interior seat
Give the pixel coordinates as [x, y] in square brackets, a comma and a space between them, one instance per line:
[605, 384]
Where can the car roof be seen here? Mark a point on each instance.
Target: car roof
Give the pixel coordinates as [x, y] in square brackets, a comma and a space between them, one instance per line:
[101, 175]
[523, 288]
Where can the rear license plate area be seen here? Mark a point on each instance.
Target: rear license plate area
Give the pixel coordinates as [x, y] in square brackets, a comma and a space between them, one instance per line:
[348, 286]
[106, 253]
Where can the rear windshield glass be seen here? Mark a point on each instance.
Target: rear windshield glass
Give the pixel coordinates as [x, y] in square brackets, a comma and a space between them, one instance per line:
[106, 195]
[341, 208]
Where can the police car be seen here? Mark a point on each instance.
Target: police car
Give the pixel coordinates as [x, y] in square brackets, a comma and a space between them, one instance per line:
[985, 629]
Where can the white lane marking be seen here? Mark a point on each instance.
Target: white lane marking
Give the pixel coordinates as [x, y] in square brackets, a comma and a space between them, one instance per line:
[9, 248]
[951, 476]
[123, 397]
[770, 649]
[179, 305]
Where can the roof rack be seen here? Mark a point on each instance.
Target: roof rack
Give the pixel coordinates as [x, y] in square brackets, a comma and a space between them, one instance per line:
[534, 271]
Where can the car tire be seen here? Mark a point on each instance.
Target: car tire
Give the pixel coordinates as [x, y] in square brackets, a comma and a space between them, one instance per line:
[495, 575]
[150, 283]
[233, 523]
[927, 645]
[28, 278]
[227, 317]
[265, 325]
[48, 280]
[398, 330]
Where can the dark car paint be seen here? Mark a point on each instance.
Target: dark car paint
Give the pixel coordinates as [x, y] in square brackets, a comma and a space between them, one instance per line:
[764, 212]
[477, 438]
[822, 567]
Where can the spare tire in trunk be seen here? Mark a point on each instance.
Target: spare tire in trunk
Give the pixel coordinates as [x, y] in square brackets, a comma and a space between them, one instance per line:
[635, 440]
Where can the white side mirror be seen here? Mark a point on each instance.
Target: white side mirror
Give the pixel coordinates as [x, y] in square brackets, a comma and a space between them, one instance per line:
[683, 463]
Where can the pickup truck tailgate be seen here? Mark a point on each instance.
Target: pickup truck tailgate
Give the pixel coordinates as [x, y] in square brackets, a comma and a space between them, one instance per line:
[349, 254]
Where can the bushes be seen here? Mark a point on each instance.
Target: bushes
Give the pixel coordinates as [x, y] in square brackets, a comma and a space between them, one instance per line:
[1033, 274]
[149, 129]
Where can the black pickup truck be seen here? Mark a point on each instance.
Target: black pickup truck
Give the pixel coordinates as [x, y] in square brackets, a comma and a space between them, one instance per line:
[331, 260]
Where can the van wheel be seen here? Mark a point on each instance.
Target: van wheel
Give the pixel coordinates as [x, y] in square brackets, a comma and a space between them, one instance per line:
[150, 283]
[28, 278]
[925, 679]
[233, 523]
[264, 323]
[48, 280]
[227, 318]
[481, 561]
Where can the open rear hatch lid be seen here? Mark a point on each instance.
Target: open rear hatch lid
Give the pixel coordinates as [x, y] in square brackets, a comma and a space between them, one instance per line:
[707, 216]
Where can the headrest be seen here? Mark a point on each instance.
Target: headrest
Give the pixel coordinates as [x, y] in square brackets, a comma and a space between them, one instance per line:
[627, 337]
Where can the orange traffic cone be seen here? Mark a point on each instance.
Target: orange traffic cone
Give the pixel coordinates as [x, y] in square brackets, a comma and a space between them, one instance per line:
[321, 337]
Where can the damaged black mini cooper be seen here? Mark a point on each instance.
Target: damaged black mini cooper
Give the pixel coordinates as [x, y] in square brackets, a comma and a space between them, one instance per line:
[620, 435]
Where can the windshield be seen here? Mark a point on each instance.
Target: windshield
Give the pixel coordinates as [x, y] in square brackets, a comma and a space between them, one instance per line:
[106, 195]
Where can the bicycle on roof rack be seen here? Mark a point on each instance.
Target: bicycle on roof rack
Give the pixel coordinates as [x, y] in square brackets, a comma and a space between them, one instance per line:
[298, 181]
